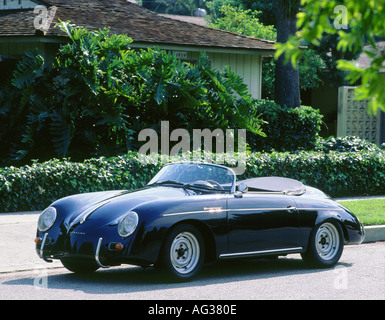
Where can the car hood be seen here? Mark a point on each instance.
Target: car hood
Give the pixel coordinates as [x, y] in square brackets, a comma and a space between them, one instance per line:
[110, 205]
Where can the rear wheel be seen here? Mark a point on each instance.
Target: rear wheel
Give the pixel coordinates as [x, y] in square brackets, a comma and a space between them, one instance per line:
[183, 252]
[326, 244]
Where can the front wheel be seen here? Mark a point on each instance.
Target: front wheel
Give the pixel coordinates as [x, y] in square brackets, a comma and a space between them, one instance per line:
[326, 244]
[183, 253]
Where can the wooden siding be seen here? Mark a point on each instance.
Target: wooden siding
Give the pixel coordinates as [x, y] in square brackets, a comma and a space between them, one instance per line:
[247, 66]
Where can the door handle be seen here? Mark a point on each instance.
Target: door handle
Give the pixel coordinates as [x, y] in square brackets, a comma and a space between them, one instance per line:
[291, 209]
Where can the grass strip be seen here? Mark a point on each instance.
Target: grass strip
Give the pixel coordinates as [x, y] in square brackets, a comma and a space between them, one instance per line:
[371, 212]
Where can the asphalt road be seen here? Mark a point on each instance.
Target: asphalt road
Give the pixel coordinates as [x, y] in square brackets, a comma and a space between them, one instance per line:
[360, 274]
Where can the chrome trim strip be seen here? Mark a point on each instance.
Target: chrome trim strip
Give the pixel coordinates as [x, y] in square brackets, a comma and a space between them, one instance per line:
[240, 254]
[249, 209]
[42, 256]
[259, 209]
[217, 210]
[97, 254]
[182, 213]
[206, 210]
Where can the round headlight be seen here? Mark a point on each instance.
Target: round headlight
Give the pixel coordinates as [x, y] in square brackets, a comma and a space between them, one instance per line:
[46, 219]
[128, 224]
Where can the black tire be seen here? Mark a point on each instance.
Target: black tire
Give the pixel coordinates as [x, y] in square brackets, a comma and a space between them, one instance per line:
[80, 266]
[326, 244]
[183, 253]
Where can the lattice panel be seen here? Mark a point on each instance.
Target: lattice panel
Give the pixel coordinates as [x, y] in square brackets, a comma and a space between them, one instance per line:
[353, 118]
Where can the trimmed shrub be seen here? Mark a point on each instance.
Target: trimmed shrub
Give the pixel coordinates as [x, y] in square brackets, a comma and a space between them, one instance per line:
[35, 187]
[287, 129]
[338, 174]
[345, 144]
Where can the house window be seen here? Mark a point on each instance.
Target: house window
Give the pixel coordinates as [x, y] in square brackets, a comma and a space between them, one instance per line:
[185, 56]
[182, 55]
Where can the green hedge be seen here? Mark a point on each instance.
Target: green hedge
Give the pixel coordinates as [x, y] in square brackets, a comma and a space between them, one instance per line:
[346, 144]
[287, 129]
[35, 187]
[336, 173]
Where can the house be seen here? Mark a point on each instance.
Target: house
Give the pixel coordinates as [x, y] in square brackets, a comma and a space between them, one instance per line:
[28, 24]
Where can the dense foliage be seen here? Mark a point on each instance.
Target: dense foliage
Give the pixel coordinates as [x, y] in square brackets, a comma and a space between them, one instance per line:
[247, 22]
[357, 23]
[346, 144]
[244, 22]
[336, 173]
[98, 94]
[287, 129]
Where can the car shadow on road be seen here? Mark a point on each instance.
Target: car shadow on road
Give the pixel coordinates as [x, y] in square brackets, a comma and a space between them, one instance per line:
[131, 279]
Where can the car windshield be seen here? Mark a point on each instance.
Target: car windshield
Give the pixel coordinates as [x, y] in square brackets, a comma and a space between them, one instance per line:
[199, 175]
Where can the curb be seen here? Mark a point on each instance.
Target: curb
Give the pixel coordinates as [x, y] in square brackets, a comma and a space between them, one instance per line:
[374, 234]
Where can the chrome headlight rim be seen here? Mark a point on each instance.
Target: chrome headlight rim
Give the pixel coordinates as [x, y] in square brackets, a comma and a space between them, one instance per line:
[128, 224]
[47, 219]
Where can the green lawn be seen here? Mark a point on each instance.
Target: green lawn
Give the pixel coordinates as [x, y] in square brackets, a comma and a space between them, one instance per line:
[370, 212]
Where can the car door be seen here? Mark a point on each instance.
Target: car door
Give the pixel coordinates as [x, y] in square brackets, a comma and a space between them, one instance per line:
[261, 222]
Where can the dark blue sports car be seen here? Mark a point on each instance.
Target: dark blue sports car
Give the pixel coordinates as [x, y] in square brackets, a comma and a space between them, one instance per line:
[190, 213]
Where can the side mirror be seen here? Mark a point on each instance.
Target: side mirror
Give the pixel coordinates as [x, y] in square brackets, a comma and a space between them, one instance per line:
[242, 188]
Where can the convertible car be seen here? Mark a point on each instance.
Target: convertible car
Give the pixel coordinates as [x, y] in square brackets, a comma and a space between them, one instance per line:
[191, 213]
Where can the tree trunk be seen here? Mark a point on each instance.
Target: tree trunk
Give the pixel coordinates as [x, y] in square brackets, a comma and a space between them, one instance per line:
[286, 77]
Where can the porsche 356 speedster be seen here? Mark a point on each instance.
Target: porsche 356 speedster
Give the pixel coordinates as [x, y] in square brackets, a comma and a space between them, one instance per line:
[190, 213]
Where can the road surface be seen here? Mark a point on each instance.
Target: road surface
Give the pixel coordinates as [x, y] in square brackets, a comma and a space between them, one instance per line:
[360, 274]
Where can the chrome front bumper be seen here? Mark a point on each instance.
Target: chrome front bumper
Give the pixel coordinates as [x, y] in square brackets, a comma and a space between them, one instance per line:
[97, 252]
[41, 252]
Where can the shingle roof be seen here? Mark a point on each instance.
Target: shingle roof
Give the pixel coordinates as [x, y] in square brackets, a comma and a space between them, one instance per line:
[124, 17]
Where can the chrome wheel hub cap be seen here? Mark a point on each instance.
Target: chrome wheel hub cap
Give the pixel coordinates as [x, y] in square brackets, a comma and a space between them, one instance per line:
[184, 252]
[327, 241]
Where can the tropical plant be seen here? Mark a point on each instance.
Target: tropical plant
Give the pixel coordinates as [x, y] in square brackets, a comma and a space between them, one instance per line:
[98, 94]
